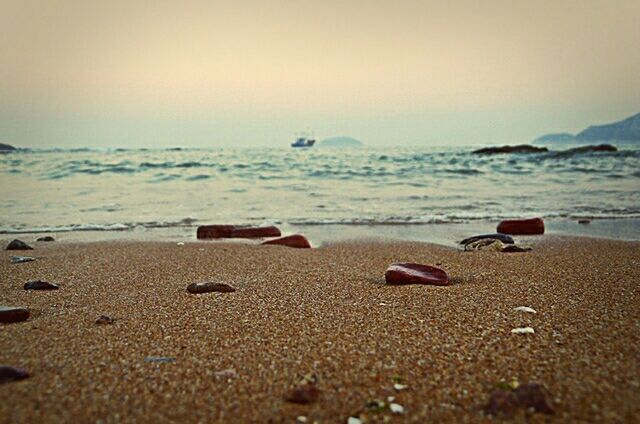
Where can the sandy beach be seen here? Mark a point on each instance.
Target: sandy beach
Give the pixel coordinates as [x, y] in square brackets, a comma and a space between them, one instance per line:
[322, 311]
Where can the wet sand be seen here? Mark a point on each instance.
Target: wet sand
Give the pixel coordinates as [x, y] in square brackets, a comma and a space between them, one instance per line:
[324, 311]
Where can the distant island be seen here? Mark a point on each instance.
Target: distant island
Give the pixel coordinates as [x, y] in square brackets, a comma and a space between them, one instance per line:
[627, 130]
[340, 142]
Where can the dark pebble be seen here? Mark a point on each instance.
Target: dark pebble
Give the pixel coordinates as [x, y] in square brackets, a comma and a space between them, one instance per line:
[40, 285]
[104, 319]
[208, 287]
[45, 238]
[10, 314]
[9, 374]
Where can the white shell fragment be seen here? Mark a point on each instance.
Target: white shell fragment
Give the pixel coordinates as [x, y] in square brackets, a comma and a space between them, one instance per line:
[180, 243]
[396, 408]
[398, 387]
[525, 309]
[21, 259]
[523, 330]
[354, 420]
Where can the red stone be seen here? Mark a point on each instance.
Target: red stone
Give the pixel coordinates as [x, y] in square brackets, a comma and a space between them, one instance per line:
[214, 231]
[304, 394]
[409, 273]
[296, 240]
[522, 226]
[231, 231]
[255, 232]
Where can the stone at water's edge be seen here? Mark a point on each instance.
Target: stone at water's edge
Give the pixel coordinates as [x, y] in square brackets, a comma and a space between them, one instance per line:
[45, 238]
[231, 231]
[9, 374]
[297, 241]
[255, 232]
[516, 227]
[410, 273]
[505, 238]
[10, 314]
[214, 231]
[40, 285]
[18, 245]
[208, 287]
[485, 244]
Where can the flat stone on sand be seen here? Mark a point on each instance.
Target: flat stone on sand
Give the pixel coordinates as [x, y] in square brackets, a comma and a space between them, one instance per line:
[40, 285]
[411, 273]
[208, 287]
[10, 314]
[46, 238]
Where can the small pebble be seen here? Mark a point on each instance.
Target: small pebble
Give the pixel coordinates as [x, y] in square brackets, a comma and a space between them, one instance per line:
[396, 408]
[159, 359]
[525, 309]
[398, 387]
[523, 330]
[104, 319]
[45, 238]
[354, 420]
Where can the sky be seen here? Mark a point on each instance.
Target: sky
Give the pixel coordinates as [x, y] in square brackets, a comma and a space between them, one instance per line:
[83, 73]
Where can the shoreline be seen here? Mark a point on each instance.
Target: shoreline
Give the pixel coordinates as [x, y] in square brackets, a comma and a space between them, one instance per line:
[445, 234]
[325, 311]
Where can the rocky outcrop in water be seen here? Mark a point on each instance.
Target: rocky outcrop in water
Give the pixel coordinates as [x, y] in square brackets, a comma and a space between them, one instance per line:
[6, 148]
[521, 148]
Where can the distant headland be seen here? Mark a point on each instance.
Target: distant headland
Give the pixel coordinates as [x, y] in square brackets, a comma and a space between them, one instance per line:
[342, 141]
[627, 130]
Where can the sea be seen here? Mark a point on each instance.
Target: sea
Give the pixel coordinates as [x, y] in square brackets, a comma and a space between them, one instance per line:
[433, 194]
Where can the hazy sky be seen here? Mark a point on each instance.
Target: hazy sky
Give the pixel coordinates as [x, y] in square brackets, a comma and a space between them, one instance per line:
[213, 73]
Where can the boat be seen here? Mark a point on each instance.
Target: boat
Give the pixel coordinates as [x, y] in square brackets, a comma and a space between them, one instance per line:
[303, 140]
